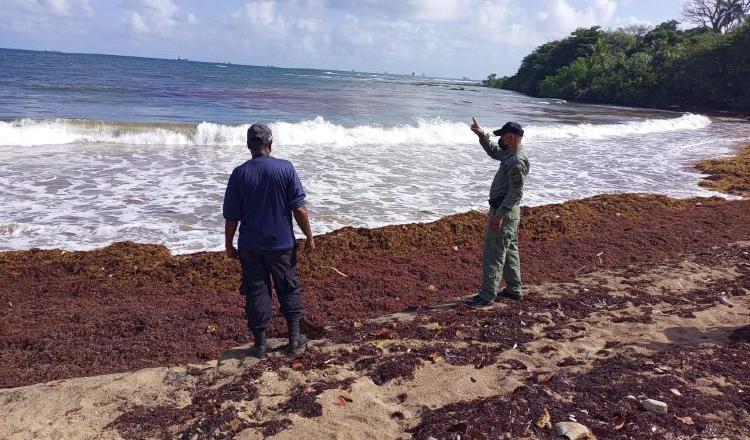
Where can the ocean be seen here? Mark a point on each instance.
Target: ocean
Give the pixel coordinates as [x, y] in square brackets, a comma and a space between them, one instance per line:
[96, 149]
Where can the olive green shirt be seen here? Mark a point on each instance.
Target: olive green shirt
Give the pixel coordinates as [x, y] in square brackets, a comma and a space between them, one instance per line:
[507, 186]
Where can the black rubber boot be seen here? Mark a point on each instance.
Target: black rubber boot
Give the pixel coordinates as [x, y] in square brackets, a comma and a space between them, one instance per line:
[297, 341]
[478, 301]
[508, 294]
[260, 348]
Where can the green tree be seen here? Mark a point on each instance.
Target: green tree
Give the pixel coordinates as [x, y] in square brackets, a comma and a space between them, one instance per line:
[718, 15]
[493, 81]
[550, 57]
[664, 67]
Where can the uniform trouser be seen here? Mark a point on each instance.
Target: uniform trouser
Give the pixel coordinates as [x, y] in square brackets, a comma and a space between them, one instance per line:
[500, 257]
[258, 269]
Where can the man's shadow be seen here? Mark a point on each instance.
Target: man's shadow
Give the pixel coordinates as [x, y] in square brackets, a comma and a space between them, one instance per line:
[691, 336]
[242, 352]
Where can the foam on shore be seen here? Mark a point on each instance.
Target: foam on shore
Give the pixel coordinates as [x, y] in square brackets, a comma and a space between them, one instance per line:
[317, 131]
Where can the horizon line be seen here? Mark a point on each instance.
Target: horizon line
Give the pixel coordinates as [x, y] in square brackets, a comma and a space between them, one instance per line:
[268, 66]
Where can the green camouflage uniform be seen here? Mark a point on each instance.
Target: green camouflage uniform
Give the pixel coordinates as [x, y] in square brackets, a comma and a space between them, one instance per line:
[500, 259]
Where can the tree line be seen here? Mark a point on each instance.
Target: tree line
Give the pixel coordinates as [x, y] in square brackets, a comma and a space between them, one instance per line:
[704, 67]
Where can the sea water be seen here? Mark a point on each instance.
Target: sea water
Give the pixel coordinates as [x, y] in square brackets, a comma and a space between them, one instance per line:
[96, 149]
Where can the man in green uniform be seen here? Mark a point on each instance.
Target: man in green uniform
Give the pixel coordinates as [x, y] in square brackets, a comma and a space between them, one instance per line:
[500, 259]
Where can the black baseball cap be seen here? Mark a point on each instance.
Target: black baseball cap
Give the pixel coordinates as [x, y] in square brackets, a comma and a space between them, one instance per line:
[509, 127]
[258, 134]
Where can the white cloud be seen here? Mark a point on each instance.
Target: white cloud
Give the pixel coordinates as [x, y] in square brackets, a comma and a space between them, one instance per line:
[48, 21]
[59, 7]
[437, 36]
[355, 33]
[138, 24]
[86, 8]
[626, 21]
[308, 24]
[500, 22]
[419, 10]
[412, 32]
[157, 17]
[294, 23]
[262, 13]
[440, 10]
[162, 8]
[561, 17]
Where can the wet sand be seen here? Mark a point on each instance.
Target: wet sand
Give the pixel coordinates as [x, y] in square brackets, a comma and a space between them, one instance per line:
[589, 350]
[630, 297]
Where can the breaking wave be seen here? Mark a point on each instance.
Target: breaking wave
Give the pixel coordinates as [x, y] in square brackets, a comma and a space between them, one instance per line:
[317, 131]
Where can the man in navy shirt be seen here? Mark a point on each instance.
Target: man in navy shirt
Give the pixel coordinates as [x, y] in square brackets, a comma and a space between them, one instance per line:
[261, 197]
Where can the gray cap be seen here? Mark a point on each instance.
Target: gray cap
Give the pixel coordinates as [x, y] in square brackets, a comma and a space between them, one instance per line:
[258, 134]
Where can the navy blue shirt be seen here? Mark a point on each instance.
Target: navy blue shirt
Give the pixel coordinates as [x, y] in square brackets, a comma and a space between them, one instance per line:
[261, 195]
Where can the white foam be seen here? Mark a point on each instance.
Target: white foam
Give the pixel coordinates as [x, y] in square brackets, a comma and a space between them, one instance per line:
[164, 184]
[316, 131]
[29, 132]
[603, 131]
[321, 132]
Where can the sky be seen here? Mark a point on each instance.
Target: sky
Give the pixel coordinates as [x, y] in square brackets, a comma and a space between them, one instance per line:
[444, 38]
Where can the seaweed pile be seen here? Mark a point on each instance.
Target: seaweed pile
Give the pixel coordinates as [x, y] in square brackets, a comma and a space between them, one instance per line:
[705, 382]
[607, 399]
[730, 175]
[130, 306]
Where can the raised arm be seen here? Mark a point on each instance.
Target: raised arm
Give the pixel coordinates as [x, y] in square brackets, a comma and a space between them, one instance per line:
[492, 148]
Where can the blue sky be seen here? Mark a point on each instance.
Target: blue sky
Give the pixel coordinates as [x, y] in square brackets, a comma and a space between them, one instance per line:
[450, 38]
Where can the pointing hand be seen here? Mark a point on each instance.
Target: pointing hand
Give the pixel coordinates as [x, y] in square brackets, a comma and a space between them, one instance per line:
[476, 128]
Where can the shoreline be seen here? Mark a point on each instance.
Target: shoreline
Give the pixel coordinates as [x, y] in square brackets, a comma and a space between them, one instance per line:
[144, 307]
[676, 108]
[629, 296]
[355, 273]
[728, 174]
[671, 328]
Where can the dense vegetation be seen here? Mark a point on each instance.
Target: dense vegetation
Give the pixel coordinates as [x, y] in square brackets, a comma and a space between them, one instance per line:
[663, 67]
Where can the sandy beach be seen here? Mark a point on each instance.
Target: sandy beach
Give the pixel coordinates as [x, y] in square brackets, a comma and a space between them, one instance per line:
[630, 297]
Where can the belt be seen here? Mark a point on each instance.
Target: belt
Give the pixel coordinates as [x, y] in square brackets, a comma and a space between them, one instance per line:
[496, 201]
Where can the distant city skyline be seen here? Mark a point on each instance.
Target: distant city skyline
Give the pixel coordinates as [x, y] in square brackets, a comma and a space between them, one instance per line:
[444, 38]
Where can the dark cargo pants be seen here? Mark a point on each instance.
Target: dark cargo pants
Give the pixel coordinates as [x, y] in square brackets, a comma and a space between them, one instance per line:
[258, 269]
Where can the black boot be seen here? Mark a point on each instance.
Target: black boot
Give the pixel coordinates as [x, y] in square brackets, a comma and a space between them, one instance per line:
[260, 348]
[297, 341]
[505, 293]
